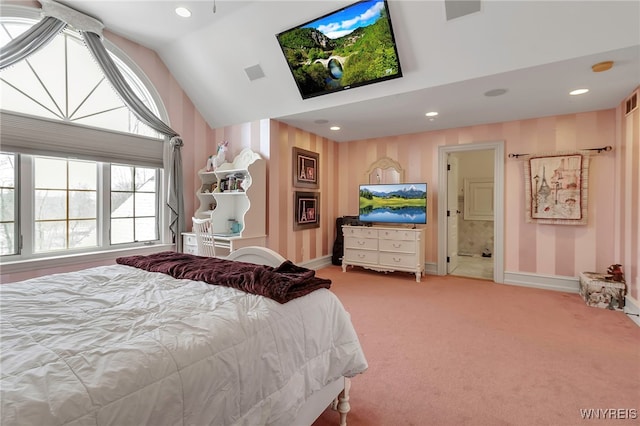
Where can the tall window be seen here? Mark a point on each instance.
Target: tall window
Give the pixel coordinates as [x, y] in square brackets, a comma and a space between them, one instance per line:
[64, 204]
[66, 213]
[133, 204]
[8, 205]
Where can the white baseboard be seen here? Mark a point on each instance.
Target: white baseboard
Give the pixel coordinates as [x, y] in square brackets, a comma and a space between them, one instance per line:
[632, 306]
[546, 282]
[317, 263]
[431, 268]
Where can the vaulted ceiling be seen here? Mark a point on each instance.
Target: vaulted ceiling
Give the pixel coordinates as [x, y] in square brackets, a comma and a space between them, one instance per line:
[537, 50]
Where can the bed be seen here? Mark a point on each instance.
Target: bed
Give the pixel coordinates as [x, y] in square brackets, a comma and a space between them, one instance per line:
[124, 345]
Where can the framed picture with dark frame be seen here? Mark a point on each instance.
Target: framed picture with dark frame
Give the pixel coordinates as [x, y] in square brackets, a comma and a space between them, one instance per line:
[306, 210]
[305, 168]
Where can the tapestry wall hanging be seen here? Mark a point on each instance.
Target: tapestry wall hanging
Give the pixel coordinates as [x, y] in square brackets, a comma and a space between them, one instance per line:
[556, 188]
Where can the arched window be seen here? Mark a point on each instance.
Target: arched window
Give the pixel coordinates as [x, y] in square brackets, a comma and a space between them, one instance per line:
[76, 175]
[63, 82]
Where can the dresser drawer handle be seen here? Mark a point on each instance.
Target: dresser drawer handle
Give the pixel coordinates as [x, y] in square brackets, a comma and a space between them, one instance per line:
[397, 259]
[397, 245]
[361, 243]
[361, 256]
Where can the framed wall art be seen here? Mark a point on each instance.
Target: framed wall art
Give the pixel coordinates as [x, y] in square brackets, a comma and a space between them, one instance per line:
[306, 210]
[556, 187]
[305, 168]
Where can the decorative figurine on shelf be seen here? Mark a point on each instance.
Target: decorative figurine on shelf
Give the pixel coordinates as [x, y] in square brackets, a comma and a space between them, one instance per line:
[216, 161]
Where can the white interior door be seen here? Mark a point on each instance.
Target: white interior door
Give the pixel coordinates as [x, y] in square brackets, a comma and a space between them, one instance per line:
[452, 213]
[498, 197]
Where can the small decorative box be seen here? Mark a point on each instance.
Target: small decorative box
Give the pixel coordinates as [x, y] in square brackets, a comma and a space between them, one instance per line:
[600, 291]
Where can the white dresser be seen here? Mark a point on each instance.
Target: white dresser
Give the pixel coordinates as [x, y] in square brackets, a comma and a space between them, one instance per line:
[384, 249]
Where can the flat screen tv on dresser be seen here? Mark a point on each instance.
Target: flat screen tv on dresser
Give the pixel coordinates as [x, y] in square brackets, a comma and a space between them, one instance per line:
[398, 203]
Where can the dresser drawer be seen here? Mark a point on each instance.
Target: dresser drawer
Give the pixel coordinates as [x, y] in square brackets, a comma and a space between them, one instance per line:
[398, 246]
[189, 240]
[360, 232]
[360, 256]
[189, 249]
[398, 260]
[189, 243]
[361, 243]
[398, 234]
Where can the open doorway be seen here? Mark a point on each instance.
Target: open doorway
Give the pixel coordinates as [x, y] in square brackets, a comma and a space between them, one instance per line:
[471, 200]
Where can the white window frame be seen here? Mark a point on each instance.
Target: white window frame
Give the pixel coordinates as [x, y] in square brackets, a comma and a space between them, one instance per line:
[27, 261]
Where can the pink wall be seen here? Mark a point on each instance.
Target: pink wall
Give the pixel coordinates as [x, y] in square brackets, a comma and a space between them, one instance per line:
[611, 236]
[612, 233]
[306, 244]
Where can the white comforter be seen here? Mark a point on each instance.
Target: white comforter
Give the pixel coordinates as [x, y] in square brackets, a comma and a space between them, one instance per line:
[116, 345]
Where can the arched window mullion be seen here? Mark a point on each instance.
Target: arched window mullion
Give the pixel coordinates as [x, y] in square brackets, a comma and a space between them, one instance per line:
[100, 112]
[44, 87]
[22, 92]
[85, 100]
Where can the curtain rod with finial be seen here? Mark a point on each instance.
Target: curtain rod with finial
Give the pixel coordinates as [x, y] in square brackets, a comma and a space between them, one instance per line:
[599, 150]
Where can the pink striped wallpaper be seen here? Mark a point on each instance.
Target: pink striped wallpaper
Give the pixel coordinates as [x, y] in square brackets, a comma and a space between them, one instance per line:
[611, 236]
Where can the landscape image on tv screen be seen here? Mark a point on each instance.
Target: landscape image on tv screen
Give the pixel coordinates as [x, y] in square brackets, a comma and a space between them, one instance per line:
[393, 203]
[351, 47]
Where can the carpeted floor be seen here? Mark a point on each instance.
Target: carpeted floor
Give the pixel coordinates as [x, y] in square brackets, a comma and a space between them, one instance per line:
[458, 351]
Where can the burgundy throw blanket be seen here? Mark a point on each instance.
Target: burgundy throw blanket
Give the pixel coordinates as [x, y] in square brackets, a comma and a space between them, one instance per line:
[281, 284]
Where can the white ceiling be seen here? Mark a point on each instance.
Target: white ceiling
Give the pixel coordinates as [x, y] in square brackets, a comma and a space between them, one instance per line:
[537, 50]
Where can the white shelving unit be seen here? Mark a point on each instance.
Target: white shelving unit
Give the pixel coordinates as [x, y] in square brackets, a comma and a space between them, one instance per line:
[244, 202]
[208, 182]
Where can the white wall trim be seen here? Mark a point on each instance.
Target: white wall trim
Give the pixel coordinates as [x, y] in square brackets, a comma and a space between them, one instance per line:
[317, 263]
[632, 306]
[80, 261]
[431, 268]
[545, 282]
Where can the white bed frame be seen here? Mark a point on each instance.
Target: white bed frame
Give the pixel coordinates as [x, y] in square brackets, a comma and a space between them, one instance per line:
[336, 393]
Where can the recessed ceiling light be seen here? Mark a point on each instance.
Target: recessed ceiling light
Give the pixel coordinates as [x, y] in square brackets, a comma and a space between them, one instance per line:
[431, 114]
[578, 92]
[335, 127]
[183, 12]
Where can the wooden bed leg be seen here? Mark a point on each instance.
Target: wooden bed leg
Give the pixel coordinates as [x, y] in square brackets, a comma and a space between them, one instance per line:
[343, 402]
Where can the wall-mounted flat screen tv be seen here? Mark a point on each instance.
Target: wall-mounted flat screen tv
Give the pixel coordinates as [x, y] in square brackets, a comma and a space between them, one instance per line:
[393, 203]
[351, 47]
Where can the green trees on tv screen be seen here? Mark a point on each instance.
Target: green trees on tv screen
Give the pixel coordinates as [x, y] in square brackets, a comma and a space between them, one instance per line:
[366, 54]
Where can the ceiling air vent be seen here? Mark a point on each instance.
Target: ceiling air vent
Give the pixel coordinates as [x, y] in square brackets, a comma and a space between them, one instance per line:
[631, 103]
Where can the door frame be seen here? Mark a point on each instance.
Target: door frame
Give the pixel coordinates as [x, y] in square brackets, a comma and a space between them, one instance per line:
[498, 203]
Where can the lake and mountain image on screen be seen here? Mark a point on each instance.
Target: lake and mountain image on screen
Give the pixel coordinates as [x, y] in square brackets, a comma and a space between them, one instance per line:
[350, 47]
[393, 203]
